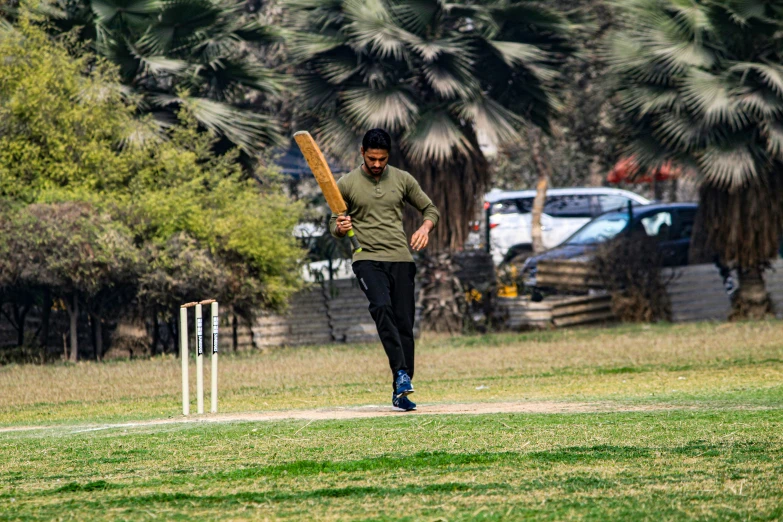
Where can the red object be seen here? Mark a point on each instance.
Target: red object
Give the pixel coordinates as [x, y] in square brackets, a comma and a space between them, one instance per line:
[627, 170]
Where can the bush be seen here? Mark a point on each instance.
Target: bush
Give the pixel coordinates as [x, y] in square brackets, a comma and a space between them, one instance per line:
[630, 269]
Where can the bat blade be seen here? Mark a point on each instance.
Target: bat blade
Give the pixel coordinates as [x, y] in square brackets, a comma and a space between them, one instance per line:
[323, 174]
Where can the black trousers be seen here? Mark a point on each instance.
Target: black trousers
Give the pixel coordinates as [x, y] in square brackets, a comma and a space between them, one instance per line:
[389, 288]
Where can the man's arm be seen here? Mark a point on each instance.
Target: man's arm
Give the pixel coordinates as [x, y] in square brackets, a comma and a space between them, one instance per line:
[416, 197]
[333, 229]
[422, 202]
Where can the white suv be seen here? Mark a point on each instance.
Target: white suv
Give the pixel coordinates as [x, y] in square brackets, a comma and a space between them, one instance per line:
[565, 211]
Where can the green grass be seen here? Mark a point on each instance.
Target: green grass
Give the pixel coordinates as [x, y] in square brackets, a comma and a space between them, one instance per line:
[707, 443]
[672, 465]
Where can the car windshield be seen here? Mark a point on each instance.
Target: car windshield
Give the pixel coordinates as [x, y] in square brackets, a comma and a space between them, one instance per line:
[600, 229]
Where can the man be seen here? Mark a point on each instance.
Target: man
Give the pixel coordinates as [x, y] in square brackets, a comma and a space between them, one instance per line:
[375, 194]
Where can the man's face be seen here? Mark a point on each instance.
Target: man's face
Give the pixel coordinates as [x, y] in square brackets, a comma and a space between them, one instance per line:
[375, 160]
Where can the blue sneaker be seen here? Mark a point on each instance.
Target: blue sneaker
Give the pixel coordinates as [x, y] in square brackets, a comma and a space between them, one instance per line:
[403, 403]
[402, 384]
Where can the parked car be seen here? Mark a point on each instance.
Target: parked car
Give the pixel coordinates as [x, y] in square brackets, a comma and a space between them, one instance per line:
[565, 211]
[671, 224]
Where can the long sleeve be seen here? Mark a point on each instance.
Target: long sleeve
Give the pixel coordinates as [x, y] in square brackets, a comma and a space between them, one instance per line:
[422, 202]
[333, 218]
[333, 225]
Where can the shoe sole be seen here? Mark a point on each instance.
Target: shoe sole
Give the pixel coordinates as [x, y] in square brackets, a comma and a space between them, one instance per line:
[403, 409]
[405, 393]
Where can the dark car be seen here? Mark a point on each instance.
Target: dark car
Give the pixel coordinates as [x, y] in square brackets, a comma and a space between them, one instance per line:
[670, 224]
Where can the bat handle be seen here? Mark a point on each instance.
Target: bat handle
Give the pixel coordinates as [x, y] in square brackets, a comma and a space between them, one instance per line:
[354, 242]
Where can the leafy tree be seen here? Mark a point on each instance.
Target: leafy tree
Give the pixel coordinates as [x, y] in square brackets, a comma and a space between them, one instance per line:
[64, 140]
[701, 83]
[434, 74]
[82, 258]
[586, 137]
[197, 54]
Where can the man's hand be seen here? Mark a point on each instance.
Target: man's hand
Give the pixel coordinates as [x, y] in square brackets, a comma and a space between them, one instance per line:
[421, 237]
[343, 225]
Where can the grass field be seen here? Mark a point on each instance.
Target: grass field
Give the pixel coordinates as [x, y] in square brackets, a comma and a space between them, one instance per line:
[690, 427]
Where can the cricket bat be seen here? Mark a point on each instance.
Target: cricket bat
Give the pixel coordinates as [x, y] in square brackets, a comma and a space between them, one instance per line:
[323, 174]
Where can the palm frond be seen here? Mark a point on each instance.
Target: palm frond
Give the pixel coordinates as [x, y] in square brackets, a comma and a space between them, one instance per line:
[435, 136]
[771, 75]
[743, 11]
[317, 95]
[416, 15]
[709, 96]
[392, 109]
[693, 16]
[762, 103]
[337, 67]
[142, 133]
[338, 136]
[641, 100]
[488, 116]
[430, 50]
[160, 65]
[107, 10]
[516, 53]
[536, 14]
[729, 167]
[6, 28]
[680, 132]
[445, 83]
[249, 131]
[305, 46]
[773, 134]
[372, 28]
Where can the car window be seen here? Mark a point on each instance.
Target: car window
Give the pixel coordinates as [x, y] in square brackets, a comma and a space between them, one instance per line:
[658, 225]
[508, 206]
[575, 206]
[610, 202]
[525, 205]
[687, 219]
[600, 229]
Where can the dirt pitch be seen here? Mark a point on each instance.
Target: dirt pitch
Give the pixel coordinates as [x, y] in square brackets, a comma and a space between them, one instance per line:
[366, 412]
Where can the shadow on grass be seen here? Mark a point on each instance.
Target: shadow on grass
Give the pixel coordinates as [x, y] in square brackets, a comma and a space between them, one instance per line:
[442, 463]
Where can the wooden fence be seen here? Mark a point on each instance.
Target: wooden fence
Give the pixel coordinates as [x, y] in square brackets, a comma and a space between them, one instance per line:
[555, 311]
[570, 276]
[328, 312]
[774, 280]
[696, 293]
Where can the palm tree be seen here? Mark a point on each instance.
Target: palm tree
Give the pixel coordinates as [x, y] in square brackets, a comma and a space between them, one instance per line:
[198, 54]
[701, 83]
[435, 75]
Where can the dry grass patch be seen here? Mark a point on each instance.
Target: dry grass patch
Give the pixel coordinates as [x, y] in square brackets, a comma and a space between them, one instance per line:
[637, 362]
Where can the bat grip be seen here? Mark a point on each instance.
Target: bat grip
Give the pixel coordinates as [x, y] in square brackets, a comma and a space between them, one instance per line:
[354, 242]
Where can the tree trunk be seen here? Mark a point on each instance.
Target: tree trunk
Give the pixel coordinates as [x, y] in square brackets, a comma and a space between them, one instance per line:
[441, 297]
[20, 317]
[235, 332]
[596, 178]
[741, 229]
[73, 313]
[544, 173]
[173, 327]
[752, 300]
[97, 327]
[155, 335]
[46, 314]
[456, 187]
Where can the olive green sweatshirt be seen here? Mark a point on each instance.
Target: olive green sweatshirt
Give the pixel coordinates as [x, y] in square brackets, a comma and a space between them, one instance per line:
[376, 207]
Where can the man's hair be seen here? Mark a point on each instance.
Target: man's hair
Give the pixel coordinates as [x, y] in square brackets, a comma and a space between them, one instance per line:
[376, 139]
